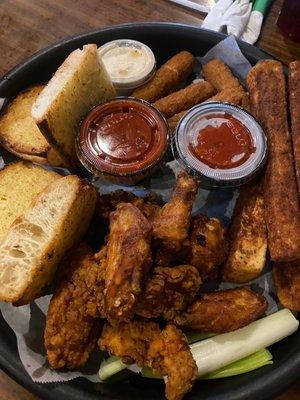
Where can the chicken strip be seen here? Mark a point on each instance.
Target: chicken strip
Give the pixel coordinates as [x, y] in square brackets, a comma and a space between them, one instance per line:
[294, 90]
[223, 311]
[167, 77]
[168, 291]
[128, 261]
[169, 354]
[130, 341]
[71, 334]
[248, 238]
[108, 203]
[207, 247]
[287, 284]
[171, 225]
[185, 98]
[267, 89]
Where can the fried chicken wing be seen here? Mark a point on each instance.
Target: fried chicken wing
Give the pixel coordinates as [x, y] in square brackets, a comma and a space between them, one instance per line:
[108, 203]
[128, 260]
[287, 284]
[171, 225]
[169, 354]
[223, 311]
[168, 291]
[130, 341]
[207, 246]
[71, 334]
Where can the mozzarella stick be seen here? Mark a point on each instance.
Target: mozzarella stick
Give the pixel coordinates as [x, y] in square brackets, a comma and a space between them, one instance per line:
[236, 97]
[294, 89]
[167, 77]
[185, 98]
[219, 75]
[267, 90]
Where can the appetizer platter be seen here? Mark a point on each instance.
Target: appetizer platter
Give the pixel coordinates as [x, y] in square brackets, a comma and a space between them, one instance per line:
[141, 279]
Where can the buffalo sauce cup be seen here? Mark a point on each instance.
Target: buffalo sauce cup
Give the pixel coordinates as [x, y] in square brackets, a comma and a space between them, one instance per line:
[123, 140]
[221, 143]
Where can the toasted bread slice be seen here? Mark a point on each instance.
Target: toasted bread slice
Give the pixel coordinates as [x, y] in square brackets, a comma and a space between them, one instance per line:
[80, 83]
[248, 238]
[19, 133]
[20, 183]
[37, 240]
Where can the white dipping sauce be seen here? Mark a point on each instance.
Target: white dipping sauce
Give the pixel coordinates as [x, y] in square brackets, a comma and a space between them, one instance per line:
[128, 62]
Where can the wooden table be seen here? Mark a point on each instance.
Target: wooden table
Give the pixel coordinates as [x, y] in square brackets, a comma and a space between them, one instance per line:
[29, 25]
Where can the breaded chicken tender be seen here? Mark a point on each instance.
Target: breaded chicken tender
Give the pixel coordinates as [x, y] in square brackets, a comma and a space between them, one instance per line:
[71, 334]
[207, 246]
[171, 225]
[223, 311]
[128, 261]
[168, 291]
[130, 341]
[294, 92]
[167, 77]
[169, 354]
[287, 284]
[185, 98]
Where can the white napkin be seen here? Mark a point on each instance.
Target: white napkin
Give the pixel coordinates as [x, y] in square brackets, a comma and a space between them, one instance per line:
[252, 31]
[214, 18]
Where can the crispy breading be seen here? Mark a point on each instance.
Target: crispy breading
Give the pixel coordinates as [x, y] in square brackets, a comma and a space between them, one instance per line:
[171, 225]
[167, 77]
[70, 334]
[207, 246]
[128, 261]
[108, 203]
[185, 98]
[267, 89]
[223, 311]
[219, 75]
[169, 354]
[294, 91]
[287, 284]
[248, 238]
[168, 291]
[130, 341]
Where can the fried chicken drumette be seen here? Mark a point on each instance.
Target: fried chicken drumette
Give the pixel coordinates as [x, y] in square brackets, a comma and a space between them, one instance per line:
[207, 247]
[128, 261]
[223, 311]
[171, 225]
[168, 291]
[70, 333]
[166, 351]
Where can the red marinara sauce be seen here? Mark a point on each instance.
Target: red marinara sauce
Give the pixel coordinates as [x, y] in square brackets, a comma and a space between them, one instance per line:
[123, 139]
[223, 142]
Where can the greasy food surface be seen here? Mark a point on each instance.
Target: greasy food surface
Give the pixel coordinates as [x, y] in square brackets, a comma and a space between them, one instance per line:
[128, 261]
[185, 98]
[70, 334]
[130, 341]
[247, 236]
[223, 311]
[287, 284]
[294, 88]
[167, 77]
[169, 354]
[171, 225]
[267, 89]
[168, 291]
[207, 246]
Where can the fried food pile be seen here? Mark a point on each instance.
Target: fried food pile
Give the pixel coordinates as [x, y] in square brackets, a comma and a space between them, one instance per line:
[138, 295]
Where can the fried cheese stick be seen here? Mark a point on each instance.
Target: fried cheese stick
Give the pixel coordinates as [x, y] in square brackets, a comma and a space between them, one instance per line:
[167, 77]
[247, 238]
[128, 260]
[223, 311]
[185, 98]
[287, 284]
[267, 90]
[219, 75]
[294, 90]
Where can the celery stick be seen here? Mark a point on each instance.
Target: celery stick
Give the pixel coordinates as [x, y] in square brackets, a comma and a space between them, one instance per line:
[193, 337]
[253, 361]
[110, 367]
